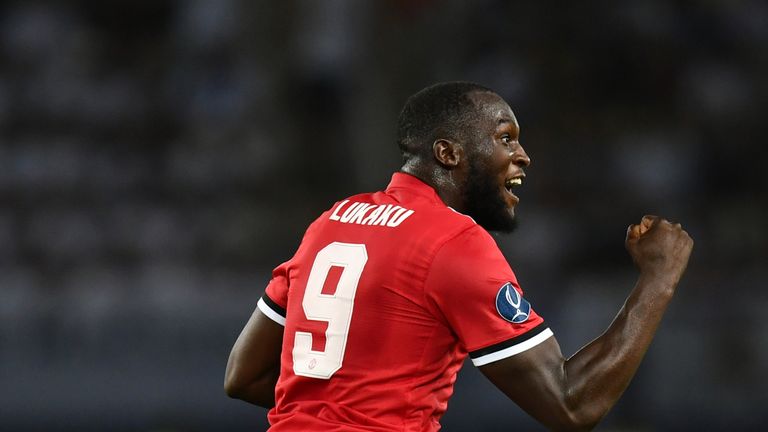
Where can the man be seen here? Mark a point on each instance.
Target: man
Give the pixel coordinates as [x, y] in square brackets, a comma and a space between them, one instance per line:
[366, 327]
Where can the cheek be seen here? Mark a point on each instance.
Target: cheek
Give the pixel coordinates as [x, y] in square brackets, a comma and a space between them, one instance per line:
[483, 150]
[500, 160]
[493, 159]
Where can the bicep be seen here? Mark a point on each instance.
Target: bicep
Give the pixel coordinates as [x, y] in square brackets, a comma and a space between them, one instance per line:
[535, 380]
[254, 363]
[263, 336]
[259, 343]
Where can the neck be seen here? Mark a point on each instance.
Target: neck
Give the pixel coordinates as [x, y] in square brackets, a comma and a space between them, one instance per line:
[440, 179]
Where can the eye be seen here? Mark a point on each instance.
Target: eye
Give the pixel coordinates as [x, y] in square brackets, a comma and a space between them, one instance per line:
[506, 139]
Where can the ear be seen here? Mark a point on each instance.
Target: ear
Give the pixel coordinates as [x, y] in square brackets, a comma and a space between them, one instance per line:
[447, 153]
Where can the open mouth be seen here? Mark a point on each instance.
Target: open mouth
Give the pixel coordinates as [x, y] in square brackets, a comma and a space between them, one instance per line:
[512, 183]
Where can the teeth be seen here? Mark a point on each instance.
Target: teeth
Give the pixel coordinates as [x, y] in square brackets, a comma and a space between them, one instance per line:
[514, 182]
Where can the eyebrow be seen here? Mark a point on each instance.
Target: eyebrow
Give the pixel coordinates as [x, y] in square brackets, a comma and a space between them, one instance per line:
[507, 120]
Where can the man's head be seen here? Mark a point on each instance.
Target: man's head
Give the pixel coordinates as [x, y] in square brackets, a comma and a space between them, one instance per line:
[462, 139]
[443, 110]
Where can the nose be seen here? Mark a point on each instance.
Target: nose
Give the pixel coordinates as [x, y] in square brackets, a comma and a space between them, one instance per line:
[520, 157]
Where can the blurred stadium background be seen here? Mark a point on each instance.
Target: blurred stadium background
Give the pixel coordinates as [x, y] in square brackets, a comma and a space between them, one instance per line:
[158, 158]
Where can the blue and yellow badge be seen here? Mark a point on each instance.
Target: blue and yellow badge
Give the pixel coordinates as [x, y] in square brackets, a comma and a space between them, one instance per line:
[511, 305]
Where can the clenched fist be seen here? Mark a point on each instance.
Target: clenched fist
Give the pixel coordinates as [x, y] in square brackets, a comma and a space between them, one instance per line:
[659, 248]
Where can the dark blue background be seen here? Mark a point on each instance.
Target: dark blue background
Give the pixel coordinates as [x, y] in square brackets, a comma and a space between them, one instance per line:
[158, 158]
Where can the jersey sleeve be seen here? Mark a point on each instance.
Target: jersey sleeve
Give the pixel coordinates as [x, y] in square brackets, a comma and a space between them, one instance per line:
[274, 302]
[475, 292]
[275, 299]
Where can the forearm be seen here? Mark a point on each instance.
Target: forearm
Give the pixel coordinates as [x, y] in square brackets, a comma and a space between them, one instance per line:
[574, 394]
[598, 374]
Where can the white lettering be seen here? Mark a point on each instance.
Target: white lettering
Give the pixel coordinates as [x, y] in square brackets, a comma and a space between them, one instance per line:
[348, 213]
[395, 221]
[373, 215]
[335, 215]
[395, 215]
[382, 220]
[370, 214]
[358, 218]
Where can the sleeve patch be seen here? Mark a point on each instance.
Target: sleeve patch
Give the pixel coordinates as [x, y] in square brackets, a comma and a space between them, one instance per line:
[511, 305]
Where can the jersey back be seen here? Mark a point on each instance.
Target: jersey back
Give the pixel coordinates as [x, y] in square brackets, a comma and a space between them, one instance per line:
[384, 299]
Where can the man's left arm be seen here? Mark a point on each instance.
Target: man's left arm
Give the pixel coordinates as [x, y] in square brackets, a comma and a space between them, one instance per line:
[254, 363]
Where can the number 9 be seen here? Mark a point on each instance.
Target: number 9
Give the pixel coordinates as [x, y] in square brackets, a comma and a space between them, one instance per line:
[335, 309]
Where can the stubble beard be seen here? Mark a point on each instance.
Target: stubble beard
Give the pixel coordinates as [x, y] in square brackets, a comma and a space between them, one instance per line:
[484, 202]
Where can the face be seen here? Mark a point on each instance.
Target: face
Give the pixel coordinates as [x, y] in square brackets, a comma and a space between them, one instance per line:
[495, 165]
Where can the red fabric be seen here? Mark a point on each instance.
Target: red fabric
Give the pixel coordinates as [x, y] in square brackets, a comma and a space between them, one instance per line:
[425, 297]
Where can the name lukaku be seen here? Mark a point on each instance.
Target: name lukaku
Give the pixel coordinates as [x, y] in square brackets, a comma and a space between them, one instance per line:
[369, 214]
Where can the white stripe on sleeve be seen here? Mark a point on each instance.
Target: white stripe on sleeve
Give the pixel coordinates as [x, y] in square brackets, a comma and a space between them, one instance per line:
[274, 316]
[514, 349]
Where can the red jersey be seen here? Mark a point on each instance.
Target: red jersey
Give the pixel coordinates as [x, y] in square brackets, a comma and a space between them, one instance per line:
[386, 296]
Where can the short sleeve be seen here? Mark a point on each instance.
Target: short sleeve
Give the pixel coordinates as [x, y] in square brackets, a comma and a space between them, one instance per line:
[275, 299]
[274, 302]
[472, 287]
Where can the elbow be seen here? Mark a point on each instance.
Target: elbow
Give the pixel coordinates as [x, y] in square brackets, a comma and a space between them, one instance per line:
[579, 416]
[577, 423]
[259, 392]
[573, 422]
[234, 385]
[232, 388]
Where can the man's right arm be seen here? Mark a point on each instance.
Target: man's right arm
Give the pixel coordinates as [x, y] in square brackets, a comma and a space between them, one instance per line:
[576, 393]
[254, 363]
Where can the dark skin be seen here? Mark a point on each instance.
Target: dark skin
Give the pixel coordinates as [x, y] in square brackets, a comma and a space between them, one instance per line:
[254, 363]
[563, 394]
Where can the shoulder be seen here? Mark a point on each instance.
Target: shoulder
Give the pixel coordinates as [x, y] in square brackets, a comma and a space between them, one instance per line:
[468, 258]
[439, 217]
[472, 244]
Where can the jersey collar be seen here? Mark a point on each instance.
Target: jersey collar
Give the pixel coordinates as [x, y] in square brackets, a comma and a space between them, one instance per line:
[401, 180]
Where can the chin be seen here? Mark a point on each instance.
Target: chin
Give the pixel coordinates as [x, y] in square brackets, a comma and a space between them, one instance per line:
[509, 226]
[503, 223]
[490, 207]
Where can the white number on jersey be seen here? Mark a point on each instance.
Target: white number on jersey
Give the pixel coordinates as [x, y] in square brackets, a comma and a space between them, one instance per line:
[335, 309]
